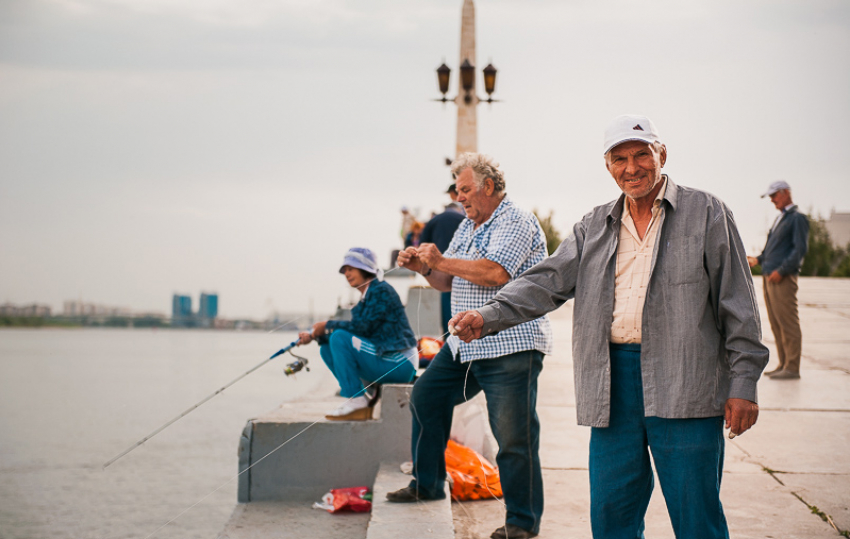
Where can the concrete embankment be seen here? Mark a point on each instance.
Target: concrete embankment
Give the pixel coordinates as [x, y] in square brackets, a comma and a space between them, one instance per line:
[788, 477]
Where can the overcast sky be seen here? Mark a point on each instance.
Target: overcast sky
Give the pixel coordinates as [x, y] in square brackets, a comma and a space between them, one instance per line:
[149, 146]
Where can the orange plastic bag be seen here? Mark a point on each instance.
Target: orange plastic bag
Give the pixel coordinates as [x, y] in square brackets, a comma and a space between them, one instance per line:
[428, 347]
[473, 477]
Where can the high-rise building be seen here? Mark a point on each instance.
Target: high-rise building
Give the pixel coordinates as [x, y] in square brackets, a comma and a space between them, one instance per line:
[181, 310]
[208, 308]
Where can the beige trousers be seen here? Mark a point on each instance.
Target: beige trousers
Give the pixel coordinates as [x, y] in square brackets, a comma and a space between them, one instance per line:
[781, 300]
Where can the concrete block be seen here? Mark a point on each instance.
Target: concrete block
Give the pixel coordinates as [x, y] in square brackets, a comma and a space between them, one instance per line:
[292, 520]
[280, 459]
[423, 311]
[431, 519]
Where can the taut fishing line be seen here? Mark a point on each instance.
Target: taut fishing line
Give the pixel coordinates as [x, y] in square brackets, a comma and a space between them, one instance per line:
[305, 315]
[221, 389]
[302, 431]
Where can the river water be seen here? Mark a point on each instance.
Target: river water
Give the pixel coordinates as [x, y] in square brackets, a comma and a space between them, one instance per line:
[72, 399]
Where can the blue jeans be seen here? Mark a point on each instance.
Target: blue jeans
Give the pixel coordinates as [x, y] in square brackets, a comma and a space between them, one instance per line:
[510, 385]
[688, 456]
[351, 366]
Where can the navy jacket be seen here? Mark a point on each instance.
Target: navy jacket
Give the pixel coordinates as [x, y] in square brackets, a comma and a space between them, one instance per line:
[786, 244]
[380, 319]
[441, 229]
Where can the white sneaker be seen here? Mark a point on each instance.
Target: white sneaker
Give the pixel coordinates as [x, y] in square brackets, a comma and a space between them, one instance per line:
[355, 409]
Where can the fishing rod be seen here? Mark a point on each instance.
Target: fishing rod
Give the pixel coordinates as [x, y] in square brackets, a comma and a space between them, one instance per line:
[291, 368]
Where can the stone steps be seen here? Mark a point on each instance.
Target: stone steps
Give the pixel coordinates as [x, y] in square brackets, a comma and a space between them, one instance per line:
[431, 519]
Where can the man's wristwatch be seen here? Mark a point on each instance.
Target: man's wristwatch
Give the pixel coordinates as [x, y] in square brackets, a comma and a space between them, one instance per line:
[427, 273]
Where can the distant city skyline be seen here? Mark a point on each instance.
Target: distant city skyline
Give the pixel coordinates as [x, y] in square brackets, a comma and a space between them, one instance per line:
[149, 147]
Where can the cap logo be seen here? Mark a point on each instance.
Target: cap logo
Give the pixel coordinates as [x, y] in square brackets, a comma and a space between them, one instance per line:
[637, 128]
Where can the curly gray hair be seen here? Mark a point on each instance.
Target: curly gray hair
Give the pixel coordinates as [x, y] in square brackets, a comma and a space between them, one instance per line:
[483, 167]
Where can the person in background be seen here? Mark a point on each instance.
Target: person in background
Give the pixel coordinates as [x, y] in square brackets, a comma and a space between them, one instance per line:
[495, 244]
[440, 230]
[412, 238]
[376, 345]
[407, 220]
[666, 338]
[787, 243]
[454, 205]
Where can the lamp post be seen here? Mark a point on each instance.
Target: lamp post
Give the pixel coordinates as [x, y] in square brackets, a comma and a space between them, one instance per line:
[466, 99]
[467, 82]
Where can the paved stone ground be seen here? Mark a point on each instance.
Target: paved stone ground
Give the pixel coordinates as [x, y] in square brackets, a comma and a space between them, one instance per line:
[779, 477]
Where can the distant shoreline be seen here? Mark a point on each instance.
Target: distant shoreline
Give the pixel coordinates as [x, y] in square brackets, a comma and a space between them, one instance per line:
[36, 322]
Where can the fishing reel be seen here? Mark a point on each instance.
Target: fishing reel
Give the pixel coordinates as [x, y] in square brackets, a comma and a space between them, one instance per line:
[296, 366]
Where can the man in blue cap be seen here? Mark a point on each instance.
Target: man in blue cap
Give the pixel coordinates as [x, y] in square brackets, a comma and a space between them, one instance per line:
[787, 243]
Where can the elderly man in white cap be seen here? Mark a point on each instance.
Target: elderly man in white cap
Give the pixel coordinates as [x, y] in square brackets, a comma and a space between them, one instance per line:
[787, 243]
[666, 338]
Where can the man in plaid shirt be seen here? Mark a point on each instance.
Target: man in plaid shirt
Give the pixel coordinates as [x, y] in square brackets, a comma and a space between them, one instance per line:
[494, 245]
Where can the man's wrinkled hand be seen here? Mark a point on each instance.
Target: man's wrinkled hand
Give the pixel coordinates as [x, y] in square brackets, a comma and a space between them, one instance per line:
[430, 254]
[467, 325]
[774, 277]
[740, 415]
[409, 259]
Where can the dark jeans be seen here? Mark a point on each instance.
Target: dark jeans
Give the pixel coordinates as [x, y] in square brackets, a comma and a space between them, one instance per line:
[510, 385]
[688, 456]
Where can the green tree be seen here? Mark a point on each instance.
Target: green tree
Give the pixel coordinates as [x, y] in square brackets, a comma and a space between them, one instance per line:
[820, 255]
[843, 268]
[553, 237]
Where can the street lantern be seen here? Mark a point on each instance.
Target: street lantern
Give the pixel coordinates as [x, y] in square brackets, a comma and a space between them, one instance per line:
[489, 80]
[467, 75]
[467, 81]
[443, 73]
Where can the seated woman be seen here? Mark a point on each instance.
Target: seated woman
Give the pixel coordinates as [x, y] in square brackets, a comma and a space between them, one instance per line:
[377, 344]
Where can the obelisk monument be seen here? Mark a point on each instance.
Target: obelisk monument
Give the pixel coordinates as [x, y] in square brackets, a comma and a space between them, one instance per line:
[467, 125]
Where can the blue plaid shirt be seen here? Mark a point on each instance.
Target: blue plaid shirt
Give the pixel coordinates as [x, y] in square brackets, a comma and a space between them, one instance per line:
[513, 239]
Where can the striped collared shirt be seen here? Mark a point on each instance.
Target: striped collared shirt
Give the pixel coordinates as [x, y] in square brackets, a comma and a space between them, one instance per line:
[634, 256]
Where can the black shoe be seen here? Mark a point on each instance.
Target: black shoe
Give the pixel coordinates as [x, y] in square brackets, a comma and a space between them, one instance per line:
[374, 396]
[408, 495]
[509, 531]
[786, 375]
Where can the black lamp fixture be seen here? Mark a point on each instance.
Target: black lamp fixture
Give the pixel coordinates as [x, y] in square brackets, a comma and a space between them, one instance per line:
[467, 80]
[443, 73]
[489, 80]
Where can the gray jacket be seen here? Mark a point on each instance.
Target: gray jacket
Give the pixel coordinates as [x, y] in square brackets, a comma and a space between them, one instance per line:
[701, 334]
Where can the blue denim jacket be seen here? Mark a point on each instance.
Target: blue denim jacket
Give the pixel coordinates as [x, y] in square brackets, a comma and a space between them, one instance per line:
[786, 244]
[380, 319]
[700, 333]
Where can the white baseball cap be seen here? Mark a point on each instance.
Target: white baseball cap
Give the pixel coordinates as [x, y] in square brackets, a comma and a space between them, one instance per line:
[775, 187]
[629, 127]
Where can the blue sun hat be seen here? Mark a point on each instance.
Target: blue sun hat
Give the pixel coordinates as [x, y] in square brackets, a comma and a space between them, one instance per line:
[362, 258]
